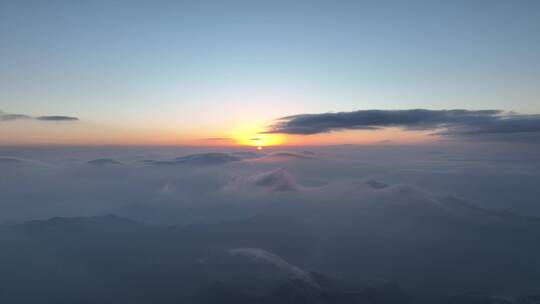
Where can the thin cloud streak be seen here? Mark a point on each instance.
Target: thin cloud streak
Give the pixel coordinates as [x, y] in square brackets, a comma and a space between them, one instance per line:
[57, 118]
[9, 117]
[6, 117]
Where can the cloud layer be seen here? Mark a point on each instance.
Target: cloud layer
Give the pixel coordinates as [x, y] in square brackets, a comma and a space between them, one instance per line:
[184, 185]
[446, 122]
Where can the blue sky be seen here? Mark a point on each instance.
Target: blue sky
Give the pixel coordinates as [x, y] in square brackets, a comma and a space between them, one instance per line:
[189, 65]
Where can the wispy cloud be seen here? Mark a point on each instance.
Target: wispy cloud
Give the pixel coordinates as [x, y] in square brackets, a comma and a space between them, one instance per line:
[57, 118]
[217, 138]
[8, 116]
[445, 122]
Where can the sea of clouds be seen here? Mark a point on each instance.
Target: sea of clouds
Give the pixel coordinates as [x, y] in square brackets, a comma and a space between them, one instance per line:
[186, 185]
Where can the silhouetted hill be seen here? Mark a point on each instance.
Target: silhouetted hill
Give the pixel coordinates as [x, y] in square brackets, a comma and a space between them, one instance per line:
[433, 249]
[300, 292]
[480, 298]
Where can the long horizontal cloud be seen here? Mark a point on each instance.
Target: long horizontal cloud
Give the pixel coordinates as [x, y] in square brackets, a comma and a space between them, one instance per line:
[446, 122]
[7, 116]
[57, 118]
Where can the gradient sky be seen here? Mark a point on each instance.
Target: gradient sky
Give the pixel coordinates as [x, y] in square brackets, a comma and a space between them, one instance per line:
[178, 72]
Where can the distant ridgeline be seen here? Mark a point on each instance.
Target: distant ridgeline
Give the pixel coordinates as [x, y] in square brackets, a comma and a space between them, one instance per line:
[378, 255]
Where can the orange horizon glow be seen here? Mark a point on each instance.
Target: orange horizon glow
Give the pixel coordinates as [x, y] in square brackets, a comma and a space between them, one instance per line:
[248, 135]
[252, 135]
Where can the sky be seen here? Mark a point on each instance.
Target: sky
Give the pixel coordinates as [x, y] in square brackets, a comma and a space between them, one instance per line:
[222, 72]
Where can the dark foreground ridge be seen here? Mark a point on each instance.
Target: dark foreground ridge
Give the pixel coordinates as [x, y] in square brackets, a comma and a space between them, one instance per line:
[382, 254]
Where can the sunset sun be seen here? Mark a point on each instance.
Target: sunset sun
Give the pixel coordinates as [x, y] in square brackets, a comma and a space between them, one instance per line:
[251, 135]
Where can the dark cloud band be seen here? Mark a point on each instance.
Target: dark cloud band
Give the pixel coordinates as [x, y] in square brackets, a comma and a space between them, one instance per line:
[6, 117]
[57, 118]
[445, 122]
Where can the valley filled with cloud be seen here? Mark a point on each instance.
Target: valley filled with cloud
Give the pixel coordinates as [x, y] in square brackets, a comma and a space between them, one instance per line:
[409, 224]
